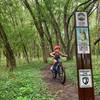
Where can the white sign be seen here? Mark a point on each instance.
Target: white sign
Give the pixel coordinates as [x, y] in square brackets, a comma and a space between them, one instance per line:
[85, 78]
[81, 19]
[82, 40]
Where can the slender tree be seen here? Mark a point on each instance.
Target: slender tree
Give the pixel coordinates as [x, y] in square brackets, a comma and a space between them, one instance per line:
[39, 28]
[11, 62]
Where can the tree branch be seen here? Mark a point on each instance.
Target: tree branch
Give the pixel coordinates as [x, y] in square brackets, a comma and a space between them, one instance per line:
[96, 41]
[92, 12]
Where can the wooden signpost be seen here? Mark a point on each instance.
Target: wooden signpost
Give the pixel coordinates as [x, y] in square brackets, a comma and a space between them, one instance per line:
[83, 56]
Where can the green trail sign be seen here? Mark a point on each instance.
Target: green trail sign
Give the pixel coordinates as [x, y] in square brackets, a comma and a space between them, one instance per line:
[83, 56]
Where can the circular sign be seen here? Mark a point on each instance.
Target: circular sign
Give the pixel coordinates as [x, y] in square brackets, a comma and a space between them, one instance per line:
[81, 16]
[85, 80]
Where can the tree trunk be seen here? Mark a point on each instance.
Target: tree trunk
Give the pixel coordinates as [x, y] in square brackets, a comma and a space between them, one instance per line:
[8, 51]
[37, 51]
[39, 28]
[56, 27]
[24, 48]
[48, 35]
[0, 57]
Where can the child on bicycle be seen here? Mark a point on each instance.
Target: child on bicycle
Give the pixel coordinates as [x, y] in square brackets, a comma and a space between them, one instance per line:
[56, 54]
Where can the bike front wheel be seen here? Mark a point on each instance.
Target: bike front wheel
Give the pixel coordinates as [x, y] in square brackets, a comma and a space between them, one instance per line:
[62, 75]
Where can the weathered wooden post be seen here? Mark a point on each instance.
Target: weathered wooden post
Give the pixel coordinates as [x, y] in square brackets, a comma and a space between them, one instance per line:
[83, 56]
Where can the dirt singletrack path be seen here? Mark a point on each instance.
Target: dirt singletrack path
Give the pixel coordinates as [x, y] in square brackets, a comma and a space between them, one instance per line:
[68, 91]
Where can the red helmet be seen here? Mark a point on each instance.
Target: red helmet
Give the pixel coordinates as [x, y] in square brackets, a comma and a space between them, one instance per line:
[56, 47]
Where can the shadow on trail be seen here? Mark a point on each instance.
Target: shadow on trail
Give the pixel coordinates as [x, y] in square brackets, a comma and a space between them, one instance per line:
[68, 91]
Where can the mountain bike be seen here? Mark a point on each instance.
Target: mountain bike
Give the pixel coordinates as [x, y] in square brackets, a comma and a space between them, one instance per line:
[59, 72]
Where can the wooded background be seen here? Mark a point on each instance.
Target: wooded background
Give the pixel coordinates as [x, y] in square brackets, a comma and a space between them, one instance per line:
[30, 28]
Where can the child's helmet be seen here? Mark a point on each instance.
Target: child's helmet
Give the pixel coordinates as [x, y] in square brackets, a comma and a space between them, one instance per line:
[56, 47]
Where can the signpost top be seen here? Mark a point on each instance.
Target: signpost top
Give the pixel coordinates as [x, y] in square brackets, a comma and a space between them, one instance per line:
[81, 19]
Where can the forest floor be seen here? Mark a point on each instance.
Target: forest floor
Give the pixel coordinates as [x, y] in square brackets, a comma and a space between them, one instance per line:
[68, 91]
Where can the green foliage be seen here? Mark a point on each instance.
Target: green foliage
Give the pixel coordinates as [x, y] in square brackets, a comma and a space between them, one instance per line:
[71, 72]
[25, 83]
[96, 71]
[16, 19]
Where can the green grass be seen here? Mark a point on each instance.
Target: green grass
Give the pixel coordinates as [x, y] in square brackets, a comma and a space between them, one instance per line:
[25, 83]
[96, 73]
[71, 72]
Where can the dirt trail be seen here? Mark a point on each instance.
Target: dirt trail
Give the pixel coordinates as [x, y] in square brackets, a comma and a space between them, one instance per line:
[68, 91]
